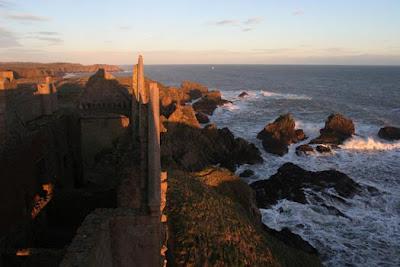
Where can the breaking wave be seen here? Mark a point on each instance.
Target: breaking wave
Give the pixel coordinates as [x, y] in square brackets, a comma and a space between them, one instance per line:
[285, 96]
[369, 144]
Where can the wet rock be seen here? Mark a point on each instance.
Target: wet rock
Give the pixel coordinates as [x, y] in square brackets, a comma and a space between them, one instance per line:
[246, 173]
[202, 118]
[210, 102]
[291, 239]
[337, 129]
[304, 150]
[291, 180]
[277, 136]
[389, 133]
[300, 135]
[323, 149]
[210, 126]
[243, 94]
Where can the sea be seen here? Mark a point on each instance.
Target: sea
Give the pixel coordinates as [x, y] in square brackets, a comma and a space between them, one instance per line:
[369, 232]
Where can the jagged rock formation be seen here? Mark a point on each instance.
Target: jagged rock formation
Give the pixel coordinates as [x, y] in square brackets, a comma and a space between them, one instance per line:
[277, 136]
[290, 180]
[389, 133]
[337, 129]
[304, 150]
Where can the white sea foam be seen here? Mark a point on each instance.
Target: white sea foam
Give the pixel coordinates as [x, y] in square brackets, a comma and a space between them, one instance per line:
[370, 144]
[284, 96]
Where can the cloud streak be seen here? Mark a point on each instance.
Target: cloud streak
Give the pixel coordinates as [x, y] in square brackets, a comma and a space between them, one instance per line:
[27, 17]
[8, 39]
[245, 25]
[226, 22]
[253, 21]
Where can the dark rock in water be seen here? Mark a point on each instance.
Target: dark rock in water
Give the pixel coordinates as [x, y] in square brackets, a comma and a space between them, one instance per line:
[290, 180]
[304, 150]
[210, 126]
[291, 239]
[246, 173]
[389, 133]
[300, 135]
[243, 94]
[277, 136]
[337, 129]
[334, 211]
[323, 149]
[202, 118]
[208, 103]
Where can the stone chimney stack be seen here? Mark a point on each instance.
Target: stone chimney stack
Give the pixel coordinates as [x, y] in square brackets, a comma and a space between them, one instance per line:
[48, 96]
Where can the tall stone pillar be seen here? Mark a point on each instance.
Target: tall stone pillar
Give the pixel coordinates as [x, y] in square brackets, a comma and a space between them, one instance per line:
[135, 104]
[143, 122]
[154, 163]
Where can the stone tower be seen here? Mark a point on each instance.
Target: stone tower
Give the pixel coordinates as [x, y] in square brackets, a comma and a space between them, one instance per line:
[48, 96]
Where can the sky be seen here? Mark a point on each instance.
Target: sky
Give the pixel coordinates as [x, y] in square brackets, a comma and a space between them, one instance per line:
[339, 32]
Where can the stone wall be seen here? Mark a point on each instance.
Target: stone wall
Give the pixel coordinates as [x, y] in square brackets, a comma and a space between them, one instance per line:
[115, 237]
[48, 152]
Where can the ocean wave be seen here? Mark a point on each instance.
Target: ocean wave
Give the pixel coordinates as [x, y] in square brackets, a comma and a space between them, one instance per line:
[284, 96]
[369, 143]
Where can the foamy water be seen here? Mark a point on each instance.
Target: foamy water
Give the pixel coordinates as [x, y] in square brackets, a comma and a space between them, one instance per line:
[369, 232]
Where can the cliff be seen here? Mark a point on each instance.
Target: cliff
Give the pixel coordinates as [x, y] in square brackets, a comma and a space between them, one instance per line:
[214, 221]
[34, 70]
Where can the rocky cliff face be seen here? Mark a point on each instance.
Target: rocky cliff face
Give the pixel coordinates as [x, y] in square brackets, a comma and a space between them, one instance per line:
[214, 221]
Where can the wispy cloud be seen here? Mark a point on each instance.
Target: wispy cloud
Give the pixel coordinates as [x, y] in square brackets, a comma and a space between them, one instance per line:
[253, 21]
[8, 39]
[50, 40]
[27, 17]
[5, 4]
[298, 12]
[48, 33]
[226, 22]
[245, 25]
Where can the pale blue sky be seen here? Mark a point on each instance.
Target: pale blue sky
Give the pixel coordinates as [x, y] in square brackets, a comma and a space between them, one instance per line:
[203, 31]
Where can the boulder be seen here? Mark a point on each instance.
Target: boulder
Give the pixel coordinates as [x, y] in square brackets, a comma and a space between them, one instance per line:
[389, 133]
[291, 180]
[304, 150]
[193, 90]
[300, 135]
[202, 118]
[246, 173]
[243, 94]
[323, 149]
[277, 136]
[209, 103]
[337, 129]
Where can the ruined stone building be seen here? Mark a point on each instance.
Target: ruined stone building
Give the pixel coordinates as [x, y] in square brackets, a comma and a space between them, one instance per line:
[80, 185]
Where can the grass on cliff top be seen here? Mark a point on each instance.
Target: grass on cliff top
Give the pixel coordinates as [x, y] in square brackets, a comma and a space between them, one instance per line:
[213, 221]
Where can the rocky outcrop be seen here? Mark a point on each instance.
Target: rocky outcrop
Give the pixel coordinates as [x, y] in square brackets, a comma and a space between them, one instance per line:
[184, 115]
[213, 220]
[209, 103]
[243, 94]
[389, 133]
[202, 118]
[277, 136]
[323, 149]
[304, 150]
[337, 129]
[192, 148]
[194, 90]
[291, 180]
